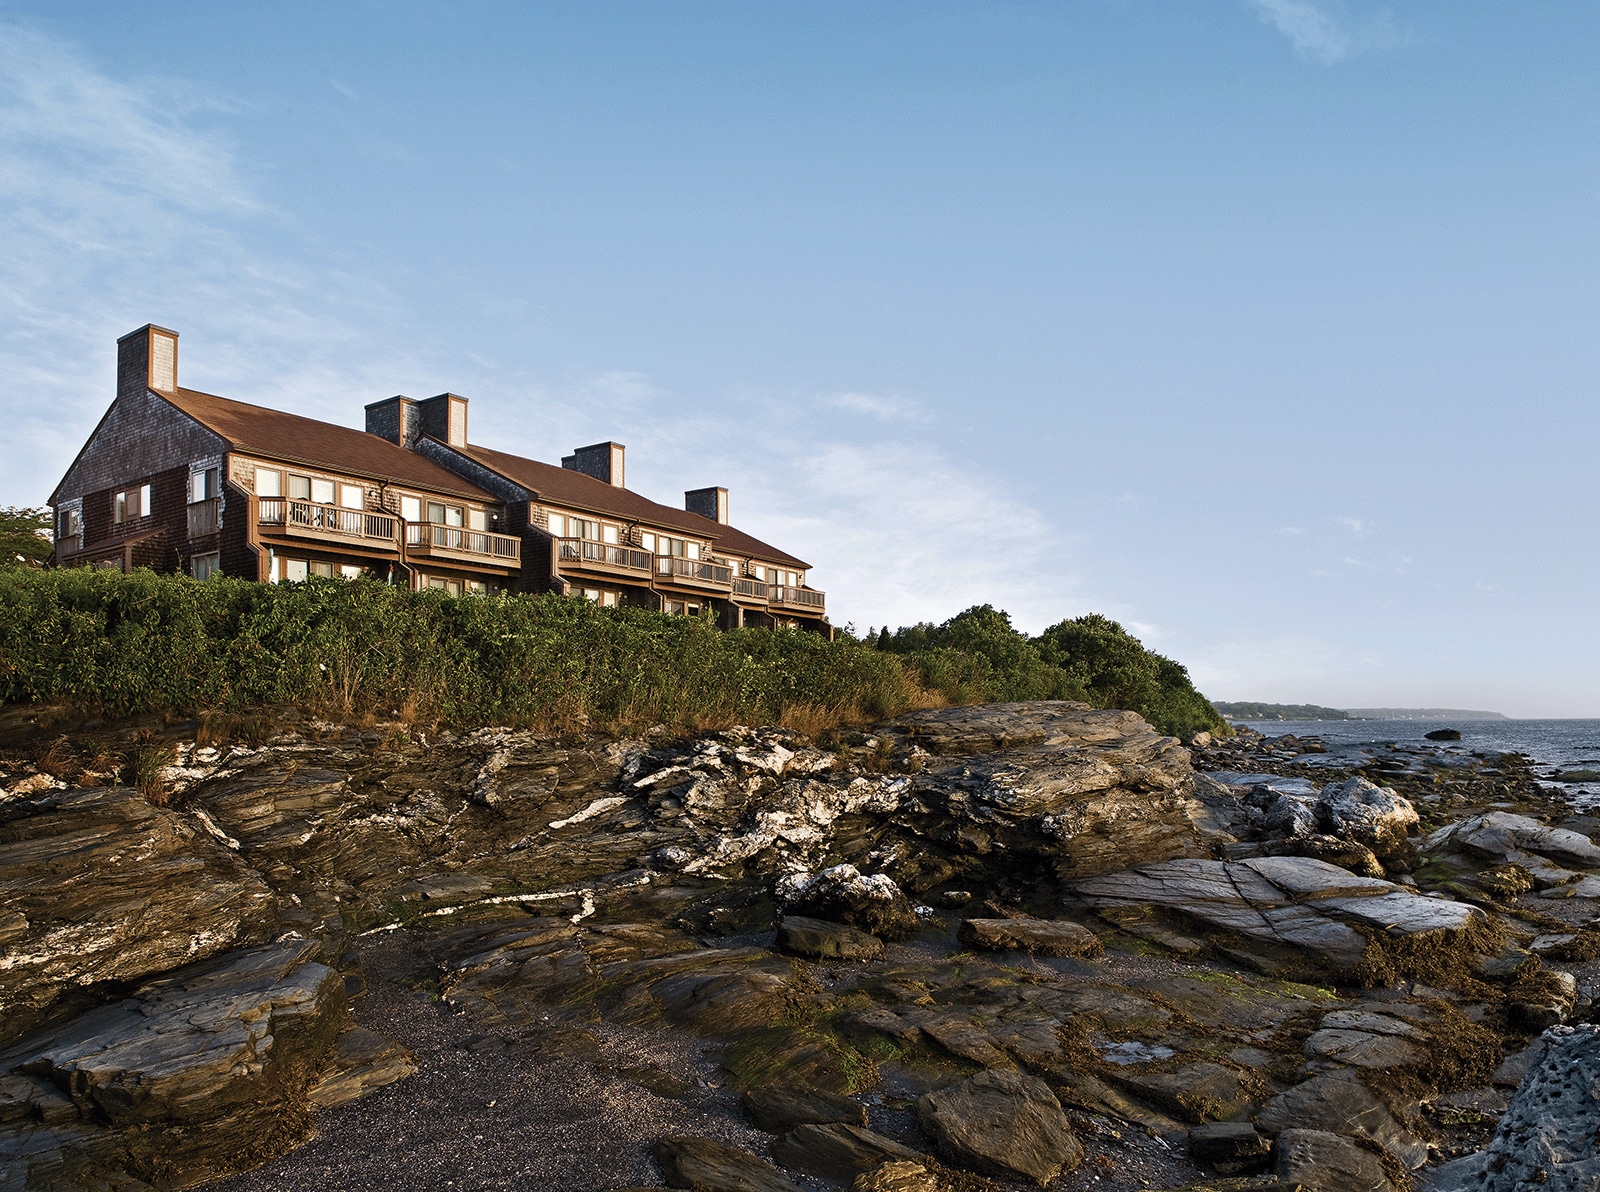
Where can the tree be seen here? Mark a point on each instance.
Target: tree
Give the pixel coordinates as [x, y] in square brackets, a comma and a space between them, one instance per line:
[24, 536]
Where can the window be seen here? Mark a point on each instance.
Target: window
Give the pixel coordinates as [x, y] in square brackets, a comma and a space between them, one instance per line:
[558, 526]
[672, 606]
[349, 571]
[578, 527]
[452, 515]
[476, 587]
[299, 488]
[477, 519]
[202, 485]
[592, 594]
[411, 508]
[436, 513]
[691, 610]
[322, 491]
[205, 566]
[450, 586]
[692, 550]
[325, 570]
[119, 508]
[352, 496]
[648, 541]
[294, 570]
[71, 523]
[608, 535]
[758, 571]
[269, 483]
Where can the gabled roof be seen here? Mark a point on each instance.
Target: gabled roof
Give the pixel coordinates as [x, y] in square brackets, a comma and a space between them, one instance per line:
[295, 439]
[576, 490]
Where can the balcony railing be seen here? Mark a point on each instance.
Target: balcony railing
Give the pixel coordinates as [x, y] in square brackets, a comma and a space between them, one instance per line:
[580, 552]
[205, 517]
[305, 518]
[807, 598]
[755, 589]
[693, 571]
[457, 542]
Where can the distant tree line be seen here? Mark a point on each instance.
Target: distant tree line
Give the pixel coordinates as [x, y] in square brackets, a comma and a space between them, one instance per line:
[1249, 711]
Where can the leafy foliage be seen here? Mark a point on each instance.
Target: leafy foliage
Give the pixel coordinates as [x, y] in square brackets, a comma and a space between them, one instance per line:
[24, 536]
[977, 656]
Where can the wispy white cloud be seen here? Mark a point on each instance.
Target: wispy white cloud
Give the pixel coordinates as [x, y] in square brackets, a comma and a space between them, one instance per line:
[1354, 524]
[1326, 36]
[885, 407]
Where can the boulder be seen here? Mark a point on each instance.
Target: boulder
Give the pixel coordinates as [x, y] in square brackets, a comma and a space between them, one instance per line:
[779, 1108]
[1342, 1104]
[1290, 903]
[837, 1150]
[1368, 814]
[1443, 734]
[1002, 1124]
[1496, 834]
[1199, 1092]
[1322, 1162]
[1044, 937]
[708, 1166]
[1229, 1148]
[843, 894]
[822, 940]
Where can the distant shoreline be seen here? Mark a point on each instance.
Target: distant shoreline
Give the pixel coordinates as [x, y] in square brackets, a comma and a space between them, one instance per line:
[1243, 710]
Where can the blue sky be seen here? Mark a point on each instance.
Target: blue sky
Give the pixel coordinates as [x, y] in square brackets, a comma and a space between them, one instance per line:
[1267, 327]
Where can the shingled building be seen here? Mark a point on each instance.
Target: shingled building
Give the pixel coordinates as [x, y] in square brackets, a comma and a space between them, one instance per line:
[178, 480]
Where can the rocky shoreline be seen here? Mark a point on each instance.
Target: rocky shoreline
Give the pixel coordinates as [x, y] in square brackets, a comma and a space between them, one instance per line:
[996, 946]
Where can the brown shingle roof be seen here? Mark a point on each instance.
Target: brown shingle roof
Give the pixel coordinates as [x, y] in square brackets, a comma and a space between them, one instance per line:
[563, 486]
[294, 439]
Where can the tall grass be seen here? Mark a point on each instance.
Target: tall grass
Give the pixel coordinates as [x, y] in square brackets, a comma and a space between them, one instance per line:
[147, 643]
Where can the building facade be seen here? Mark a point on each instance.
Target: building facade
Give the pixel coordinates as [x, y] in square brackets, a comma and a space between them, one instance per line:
[178, 480]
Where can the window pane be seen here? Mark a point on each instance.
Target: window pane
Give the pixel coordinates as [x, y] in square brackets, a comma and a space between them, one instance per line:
[269, 483]
[352, 496]
[452, 515]
[436, 513]
[692, 550]
[299, 488]
[119, 512]
[197, 487]
[609, 535]
[323, 569]
[322, 491]
[348, 571]
[648, 541]
[436, 582]
[411, 508]
[144, 500]
[294, 570]
[477, 519]
[558, 526]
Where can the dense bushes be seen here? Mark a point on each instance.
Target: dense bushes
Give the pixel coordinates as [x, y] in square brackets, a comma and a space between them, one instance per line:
[977, 656]
[148, 643]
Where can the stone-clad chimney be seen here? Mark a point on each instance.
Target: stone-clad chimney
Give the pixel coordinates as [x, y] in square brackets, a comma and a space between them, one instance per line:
[402, 420]
[603, 461]
[708, 502]
[147, 359]
[396, 419]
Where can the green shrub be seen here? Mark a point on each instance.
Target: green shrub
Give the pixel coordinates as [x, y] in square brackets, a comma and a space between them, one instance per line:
[169, 644]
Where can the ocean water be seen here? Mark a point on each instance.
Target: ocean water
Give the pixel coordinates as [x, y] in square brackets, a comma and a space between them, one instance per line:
[1562, 744]
[1552, 744]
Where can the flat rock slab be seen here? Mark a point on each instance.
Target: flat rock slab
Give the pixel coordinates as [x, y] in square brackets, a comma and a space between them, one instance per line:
[780, 1108]
[1322, 1162]
[1494, 835]
[1296, 902]
[1003, 1124]
[897, 1175]
[825, 940]
[1043, 937]
[708, 1166]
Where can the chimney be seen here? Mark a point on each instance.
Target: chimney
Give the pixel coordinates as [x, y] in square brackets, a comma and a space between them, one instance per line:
[603, 461]
[395, 419]
[445, 418]
[708, 502]
[147, 359]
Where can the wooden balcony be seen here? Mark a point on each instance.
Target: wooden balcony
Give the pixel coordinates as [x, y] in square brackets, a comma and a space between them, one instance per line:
[457, 544]
[205, 517]
[603, 558]
[694, 573]
[326, 523]
[807, 600]
[750, 589]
